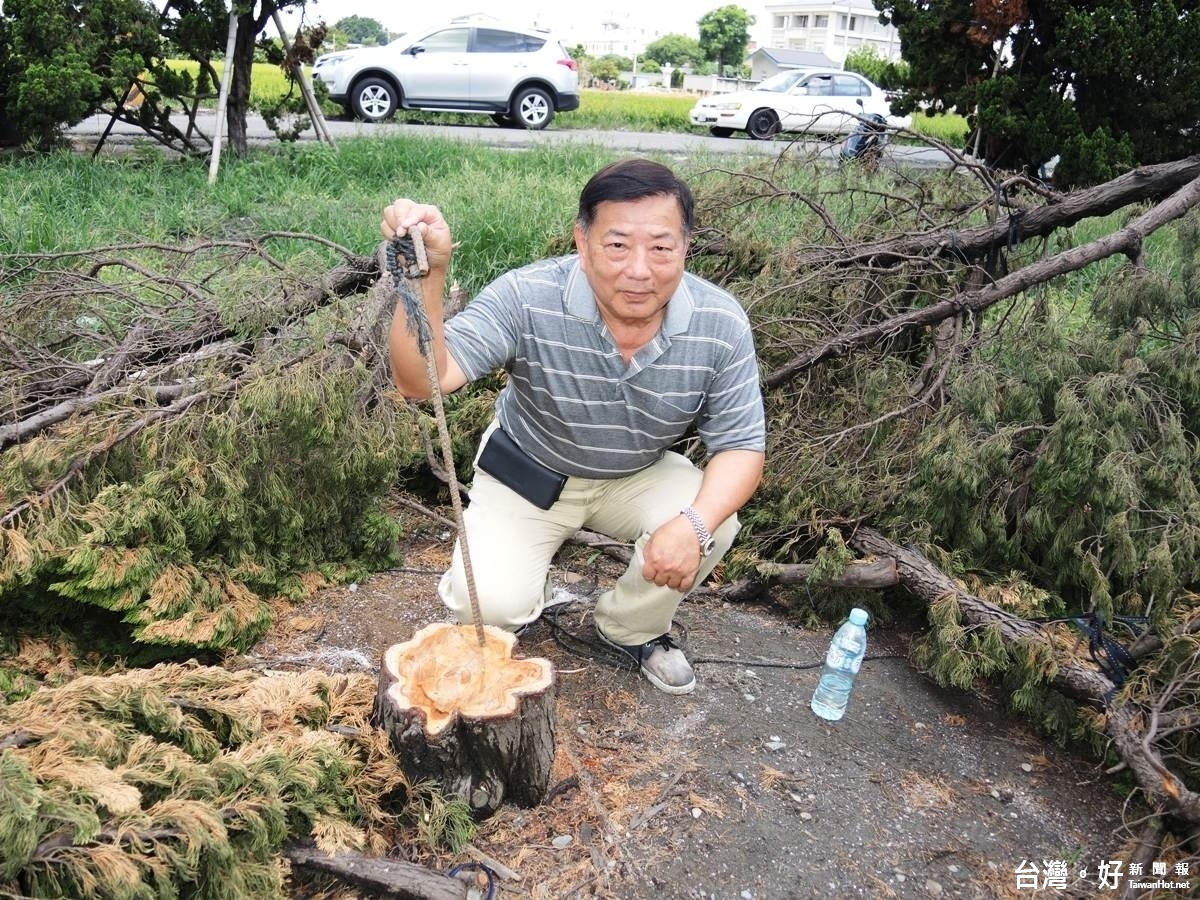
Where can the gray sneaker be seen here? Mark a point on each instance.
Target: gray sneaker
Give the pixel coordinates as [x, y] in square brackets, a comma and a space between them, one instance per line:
[556, 597]
[661, 661]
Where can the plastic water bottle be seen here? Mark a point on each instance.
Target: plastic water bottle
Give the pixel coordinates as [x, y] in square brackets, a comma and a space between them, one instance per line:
[842, 663]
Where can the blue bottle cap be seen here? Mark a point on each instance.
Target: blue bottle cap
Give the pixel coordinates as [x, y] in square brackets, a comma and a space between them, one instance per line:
[858, 616]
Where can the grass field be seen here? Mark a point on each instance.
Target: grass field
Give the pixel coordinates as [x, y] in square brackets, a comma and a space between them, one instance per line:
[506, 207]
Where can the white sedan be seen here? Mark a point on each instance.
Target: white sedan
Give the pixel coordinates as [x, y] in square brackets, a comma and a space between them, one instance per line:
[822, 101]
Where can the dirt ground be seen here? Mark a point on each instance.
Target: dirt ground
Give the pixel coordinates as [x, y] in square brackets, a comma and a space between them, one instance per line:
[738, 790]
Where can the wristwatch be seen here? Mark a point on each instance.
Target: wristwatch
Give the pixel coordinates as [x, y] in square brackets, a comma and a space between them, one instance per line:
[706, 540]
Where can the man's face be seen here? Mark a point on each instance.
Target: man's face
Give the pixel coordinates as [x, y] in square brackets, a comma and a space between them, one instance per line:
[633, 256]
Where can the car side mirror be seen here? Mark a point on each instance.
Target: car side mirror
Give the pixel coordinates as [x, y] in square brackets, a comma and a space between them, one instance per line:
[415, 49]
[858, 100]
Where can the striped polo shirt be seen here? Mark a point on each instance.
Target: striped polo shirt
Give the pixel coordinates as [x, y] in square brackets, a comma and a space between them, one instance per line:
[573, 404]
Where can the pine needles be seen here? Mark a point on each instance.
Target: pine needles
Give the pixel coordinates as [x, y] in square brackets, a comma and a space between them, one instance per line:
[188, 780]
[222, 432]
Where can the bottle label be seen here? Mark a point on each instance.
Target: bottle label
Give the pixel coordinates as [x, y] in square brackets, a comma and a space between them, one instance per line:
[837, 658]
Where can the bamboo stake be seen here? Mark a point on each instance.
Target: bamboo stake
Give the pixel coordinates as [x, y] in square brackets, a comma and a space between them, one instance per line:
[310, 100]
[223, 100]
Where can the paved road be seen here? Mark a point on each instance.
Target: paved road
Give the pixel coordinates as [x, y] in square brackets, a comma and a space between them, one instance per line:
[87, 133]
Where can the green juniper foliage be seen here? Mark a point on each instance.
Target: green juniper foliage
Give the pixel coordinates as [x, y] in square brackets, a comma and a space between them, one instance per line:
[1045, 452]
[186, 781]
[271, 480]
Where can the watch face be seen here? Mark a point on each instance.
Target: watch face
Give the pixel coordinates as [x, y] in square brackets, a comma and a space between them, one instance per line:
[708, 547]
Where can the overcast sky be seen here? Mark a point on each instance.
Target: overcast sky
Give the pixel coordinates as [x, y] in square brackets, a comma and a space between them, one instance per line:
[571, 21]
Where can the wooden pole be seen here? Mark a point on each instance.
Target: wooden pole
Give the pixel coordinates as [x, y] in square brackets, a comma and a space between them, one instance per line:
[223, 100]
[314, 108]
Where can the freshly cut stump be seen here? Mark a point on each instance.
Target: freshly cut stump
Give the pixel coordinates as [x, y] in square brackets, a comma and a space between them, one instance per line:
[481, 725]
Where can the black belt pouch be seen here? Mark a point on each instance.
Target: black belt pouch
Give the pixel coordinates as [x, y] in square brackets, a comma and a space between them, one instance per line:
[514, 468]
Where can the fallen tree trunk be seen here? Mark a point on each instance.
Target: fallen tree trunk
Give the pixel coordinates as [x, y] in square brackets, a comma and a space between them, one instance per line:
[927, 581]
[875, 573]
[473, 719]
[392, 877]
[1125, 723]
[1144, 183]
[1127, 240]
[1131, 736]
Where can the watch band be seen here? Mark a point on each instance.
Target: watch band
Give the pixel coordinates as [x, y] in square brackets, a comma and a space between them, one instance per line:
[706, 540]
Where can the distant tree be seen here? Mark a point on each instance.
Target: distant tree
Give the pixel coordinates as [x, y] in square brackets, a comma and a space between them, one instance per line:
[362, 30]
[8, 129]
[623, 63]
[868, 62]
[676, 49]
[724, 33]
[201, 28]
[1105, 84]
[605, 69]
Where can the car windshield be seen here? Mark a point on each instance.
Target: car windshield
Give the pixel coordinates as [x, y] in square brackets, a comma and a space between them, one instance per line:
[780, 83]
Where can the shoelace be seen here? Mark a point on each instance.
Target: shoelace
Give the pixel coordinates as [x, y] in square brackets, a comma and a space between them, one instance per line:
[666, 642]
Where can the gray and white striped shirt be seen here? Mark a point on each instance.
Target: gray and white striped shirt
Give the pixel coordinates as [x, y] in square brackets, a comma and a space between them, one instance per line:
[573, 404]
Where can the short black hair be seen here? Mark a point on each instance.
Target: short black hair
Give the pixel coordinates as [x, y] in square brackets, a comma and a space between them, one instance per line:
[634, 179]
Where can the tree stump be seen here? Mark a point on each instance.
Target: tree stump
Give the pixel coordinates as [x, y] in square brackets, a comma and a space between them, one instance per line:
[479, 724]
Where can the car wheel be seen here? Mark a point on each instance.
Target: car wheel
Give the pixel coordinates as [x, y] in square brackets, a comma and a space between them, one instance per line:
[374, 99]
[763, 125]
[718, 131]
[533, 109]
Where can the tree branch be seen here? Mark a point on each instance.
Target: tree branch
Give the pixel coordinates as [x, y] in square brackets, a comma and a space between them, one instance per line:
[392, 877]
[927, 581]
[875, 573]
[1144, 183]
[976, 300]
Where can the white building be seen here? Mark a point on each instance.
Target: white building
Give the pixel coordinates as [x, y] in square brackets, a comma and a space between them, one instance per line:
[832, 27]
[615, 36]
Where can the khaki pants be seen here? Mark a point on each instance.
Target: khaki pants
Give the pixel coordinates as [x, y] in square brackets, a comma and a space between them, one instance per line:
[512, 543]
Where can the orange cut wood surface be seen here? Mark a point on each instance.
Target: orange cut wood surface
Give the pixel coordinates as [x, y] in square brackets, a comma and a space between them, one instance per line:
[443, 672]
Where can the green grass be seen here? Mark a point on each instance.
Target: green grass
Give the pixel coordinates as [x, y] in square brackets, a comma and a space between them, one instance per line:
[630, 111]
[505, 208]
[598, 110]
[267, 82]
[949, 128]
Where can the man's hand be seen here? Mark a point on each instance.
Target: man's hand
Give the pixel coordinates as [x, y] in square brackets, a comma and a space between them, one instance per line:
[672, 555]
[403, 215]
[405, 358]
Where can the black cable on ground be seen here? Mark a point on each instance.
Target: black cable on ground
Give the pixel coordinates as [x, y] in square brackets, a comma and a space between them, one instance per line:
[594, 649]
[487, 871]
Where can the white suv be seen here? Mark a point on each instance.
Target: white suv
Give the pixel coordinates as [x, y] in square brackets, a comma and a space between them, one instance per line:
[520, 76]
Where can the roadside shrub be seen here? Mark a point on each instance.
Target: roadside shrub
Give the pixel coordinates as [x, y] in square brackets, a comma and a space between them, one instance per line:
[64, 59]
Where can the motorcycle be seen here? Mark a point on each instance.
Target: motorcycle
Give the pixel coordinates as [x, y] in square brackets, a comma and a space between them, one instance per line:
[866, 142]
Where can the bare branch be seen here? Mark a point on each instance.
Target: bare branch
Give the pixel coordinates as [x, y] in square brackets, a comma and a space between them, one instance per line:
[1144, 183]
[977, 300]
